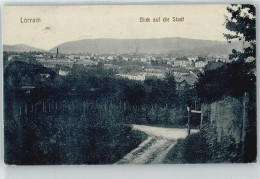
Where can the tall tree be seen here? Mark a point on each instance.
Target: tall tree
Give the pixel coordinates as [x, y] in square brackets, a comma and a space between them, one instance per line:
[241, 22]
[237, 77]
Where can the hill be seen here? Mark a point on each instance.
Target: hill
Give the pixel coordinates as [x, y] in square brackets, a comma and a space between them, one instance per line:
[20, 48]
[174, 45]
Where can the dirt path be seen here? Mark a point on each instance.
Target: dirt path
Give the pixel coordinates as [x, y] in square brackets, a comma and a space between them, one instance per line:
[154, 149]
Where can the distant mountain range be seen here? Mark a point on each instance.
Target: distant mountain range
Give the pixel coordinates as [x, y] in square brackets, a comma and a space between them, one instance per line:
[175, 45]
[20, 48]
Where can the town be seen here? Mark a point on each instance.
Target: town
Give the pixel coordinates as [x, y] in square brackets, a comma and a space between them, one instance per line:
[134, 66]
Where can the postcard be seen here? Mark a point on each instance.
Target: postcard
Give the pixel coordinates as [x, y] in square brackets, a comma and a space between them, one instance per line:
[129, 84]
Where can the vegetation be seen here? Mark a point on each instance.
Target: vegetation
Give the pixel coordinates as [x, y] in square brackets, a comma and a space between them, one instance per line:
[67, 136]
[222, 80]
[98, 85]
[203, 147]
[89, 125]
[242, 26]
[231, 79]
[237, 77]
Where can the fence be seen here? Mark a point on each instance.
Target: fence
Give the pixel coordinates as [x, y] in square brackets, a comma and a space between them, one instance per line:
[228, 117]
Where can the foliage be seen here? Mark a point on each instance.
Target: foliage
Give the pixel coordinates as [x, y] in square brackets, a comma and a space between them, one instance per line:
[237, 77]
[213, 65]
[233, 79]
[242, 24]
[68, 136]
[203, 147]
[218, 81]
[227, 150]
[193, 149]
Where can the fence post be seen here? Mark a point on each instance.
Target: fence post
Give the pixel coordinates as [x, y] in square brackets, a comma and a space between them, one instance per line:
[201, 113]
[189, 115]
[201, 119]
[244, 122]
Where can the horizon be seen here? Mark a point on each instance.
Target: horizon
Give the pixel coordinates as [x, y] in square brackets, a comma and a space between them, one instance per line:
[60, 24]
[110, 39]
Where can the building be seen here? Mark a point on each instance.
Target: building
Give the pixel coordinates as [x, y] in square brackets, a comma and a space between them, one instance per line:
[154, 73]
[12, 57]
[86, 63]
[109, 58]
[193, 58]
[143, 60]
[63, 72]
[185, 82]
[200, 64]
[139, 77]
[182, 62]
[111, 66]
[125, 58]
[55, 63]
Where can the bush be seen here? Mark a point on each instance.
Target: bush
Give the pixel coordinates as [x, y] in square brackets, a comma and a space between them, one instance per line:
[203, 147]
[196, 149]
[193, 149]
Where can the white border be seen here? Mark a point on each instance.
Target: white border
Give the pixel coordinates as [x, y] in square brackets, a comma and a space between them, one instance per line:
[200, 171]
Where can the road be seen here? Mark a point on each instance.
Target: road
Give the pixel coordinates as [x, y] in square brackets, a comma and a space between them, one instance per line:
[154, 149]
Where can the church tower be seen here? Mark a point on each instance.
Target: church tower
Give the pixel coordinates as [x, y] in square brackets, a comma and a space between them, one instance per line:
[57, 53]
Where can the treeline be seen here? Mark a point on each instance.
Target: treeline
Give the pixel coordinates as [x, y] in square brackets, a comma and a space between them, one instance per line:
[93, 84]
[156, 99]
[153, 101]
[96, 83]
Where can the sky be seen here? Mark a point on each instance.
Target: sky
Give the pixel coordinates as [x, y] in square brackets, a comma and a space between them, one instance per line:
[61, 24]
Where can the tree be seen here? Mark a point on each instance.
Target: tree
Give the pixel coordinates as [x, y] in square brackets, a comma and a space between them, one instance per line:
[237, 77]
[171, 88]
[242, 24]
